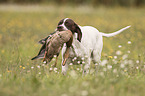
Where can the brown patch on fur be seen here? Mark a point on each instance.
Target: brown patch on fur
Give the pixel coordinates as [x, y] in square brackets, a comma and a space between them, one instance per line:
[70, 25]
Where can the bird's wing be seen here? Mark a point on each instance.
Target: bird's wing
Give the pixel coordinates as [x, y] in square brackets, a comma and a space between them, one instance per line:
[42, 41]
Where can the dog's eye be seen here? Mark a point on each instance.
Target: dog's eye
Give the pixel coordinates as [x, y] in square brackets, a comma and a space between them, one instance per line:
[67, 23]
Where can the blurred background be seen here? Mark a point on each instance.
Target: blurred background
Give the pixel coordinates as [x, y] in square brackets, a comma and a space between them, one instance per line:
[127, 3]
[24, 22]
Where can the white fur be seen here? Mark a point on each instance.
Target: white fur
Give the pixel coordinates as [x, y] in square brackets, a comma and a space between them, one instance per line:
[64, 27]
[89, 48]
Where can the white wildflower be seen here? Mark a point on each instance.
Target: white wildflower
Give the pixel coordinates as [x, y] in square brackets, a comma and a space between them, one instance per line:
[128, 51]
[122, 65]
[115, 61]
[86, 56]
[55, 69]
[78, 69]
[84, 93]
[78, 62]
[129, 42]
[96, 64]
[71, 64]
[115, 57]
[104, 62]
[137, 61]
[118, 52]
[130, 62]
[39, 73]
[50, 69]
[32, 67]
[114, 70]
[55, 55]
[83, 58]
[125, 56]
[44, 62]
[75, 58]
[83, 62]
[119, 46]
[125, 62]
[38, 66]
[109, 67]
[137, 67]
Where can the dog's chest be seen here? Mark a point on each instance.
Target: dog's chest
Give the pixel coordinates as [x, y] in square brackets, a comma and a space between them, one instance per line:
[77, 50]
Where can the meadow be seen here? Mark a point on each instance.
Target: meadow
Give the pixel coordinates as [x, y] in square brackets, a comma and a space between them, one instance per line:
[121, 73]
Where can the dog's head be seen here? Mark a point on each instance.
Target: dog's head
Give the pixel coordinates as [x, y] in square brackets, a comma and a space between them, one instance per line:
[69, 24]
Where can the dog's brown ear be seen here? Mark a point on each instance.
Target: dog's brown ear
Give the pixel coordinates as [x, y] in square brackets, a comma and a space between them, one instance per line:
[79, 32]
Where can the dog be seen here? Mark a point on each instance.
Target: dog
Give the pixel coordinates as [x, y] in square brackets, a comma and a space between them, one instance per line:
[87, 43]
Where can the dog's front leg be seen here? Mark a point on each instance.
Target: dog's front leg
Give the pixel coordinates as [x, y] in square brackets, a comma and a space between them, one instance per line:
[64, 69]
[86, 66]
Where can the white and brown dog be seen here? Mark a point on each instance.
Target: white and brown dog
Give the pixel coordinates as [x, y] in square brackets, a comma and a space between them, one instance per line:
[87, 43]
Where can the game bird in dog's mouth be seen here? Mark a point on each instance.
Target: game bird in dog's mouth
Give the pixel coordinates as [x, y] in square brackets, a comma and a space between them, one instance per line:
[52, 45]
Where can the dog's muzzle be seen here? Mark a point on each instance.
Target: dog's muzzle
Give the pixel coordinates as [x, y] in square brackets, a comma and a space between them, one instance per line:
[59, 28]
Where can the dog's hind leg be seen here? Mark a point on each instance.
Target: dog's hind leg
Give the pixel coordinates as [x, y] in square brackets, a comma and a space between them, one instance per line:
[96, 53]
[86, 66]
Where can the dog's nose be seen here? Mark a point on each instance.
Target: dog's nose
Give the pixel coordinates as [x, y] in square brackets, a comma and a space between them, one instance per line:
[60, 28]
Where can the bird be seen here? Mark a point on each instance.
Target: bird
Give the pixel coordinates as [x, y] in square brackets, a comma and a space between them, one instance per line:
[42, 49]
[52, 45]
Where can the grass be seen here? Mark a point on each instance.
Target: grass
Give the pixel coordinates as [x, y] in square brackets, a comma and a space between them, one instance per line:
[122, 72]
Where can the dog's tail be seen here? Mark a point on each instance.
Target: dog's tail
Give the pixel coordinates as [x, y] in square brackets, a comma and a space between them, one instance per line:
[114, 33]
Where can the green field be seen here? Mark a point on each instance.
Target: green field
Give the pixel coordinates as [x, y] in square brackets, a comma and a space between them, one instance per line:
[122, 72]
